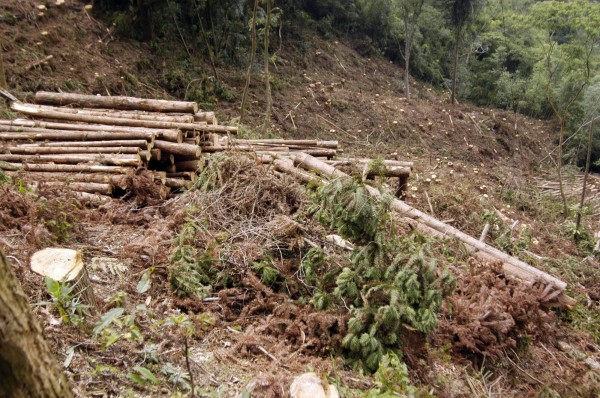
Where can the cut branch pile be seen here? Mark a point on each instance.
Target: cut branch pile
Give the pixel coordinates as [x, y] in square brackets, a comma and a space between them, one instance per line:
[90, 143]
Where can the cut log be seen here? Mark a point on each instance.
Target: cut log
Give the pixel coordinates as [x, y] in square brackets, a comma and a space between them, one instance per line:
[208, 117]
[89, 187]
[66, 135]
[74, 168]
[124, 103]
[178, 149]
[35, 111]
[66, 266]
[27, 366]
[20, 125]
[141, 144]
[124, 115]
[189, 165]
[92, 198]
[117, 180]
[298, 143]
[69, 149]
[106, 159]
[177, 183]
[597, 247]
[353, 161]
[185, 175]
[511, 265]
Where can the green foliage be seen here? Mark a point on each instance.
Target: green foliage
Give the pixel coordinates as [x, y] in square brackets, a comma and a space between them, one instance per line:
[267, 272]
[393, 281]
[4, 179]
[176, 376]
[69, 306]
[190, 273]
[117, 324]
[142, 376]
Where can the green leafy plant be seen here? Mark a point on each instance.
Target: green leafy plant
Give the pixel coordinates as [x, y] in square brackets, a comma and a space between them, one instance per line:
[267, 272]
[68, 305]
[116, 324]
[143, 376]
[393, 281]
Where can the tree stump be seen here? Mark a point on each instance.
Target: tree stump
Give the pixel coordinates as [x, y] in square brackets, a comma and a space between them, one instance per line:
[66, 265]
[27, 367]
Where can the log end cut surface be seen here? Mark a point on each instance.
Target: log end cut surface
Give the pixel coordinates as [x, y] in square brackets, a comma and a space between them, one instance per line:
[58, 264]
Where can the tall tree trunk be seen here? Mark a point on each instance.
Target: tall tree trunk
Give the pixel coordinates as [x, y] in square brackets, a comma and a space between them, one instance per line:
[3, 83]
[455, 63]
[407, 48]
[585, 177]
[266, 67]
[252, 54]
[27, 368]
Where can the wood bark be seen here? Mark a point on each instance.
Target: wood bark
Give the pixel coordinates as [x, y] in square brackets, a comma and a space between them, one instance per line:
[70, 149]
[106, 159]
[511, 265]
[186, 175]
[124, 103]
[178, 149]
[27, 367]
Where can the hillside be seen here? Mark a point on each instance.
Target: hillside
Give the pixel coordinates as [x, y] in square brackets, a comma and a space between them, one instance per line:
[473, 166]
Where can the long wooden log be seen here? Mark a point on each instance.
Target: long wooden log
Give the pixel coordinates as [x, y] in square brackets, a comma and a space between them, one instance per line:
[117, 180]
[178, 183]
[75, 168]
[133, 160]
[141, 144]
[35, 111]
[20, 125]
[32, 150]
[67, 135]
[299, 143]
[353, 161]
[89, 187]
[511, 265]
[178, 149]
[124, 115]
[117, 102]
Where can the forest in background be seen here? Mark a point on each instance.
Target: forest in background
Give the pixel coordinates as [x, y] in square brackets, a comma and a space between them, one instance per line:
[538, 58]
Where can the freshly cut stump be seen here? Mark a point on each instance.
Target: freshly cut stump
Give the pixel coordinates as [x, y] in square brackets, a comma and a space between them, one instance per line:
[66, 265]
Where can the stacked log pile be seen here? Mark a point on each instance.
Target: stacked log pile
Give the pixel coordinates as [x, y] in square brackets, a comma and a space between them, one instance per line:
[91, 142]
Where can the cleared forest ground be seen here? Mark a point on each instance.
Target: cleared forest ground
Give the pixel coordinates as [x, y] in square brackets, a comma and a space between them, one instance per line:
[473, 166]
